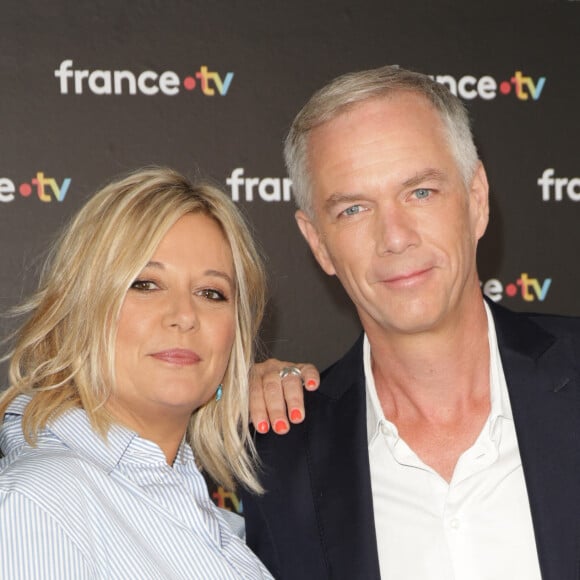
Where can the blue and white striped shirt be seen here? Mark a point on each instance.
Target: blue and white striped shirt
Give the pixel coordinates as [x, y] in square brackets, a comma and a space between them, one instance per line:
[77, 507]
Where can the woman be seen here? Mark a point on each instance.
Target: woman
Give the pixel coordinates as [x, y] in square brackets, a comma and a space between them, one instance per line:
[131, 369]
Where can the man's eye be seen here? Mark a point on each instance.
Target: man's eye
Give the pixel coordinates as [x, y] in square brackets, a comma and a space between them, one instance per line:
[422, 193]
[352, 210]
[212, 294]
[143, 285]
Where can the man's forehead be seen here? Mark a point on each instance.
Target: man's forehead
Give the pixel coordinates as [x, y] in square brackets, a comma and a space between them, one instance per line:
[380, 102]
[375, 127]
[362, 148]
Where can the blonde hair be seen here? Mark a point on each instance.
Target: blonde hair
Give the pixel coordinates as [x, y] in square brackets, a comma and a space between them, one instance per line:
[349, 89]
[64, 352]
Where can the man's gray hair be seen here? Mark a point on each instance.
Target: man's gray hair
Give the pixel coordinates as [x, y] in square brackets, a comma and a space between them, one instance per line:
[356, 87]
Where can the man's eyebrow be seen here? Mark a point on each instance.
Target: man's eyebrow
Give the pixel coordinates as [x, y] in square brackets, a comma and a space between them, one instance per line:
[337, 198]
[422, 176]
[417, 179]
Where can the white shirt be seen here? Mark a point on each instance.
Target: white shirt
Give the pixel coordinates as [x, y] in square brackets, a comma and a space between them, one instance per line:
[77, 507]
[478, 526]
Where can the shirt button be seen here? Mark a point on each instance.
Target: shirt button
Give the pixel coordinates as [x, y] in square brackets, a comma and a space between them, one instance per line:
[384, 429]
[454, 523]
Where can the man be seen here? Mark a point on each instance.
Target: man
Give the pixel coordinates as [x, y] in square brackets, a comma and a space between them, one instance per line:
[445, 444]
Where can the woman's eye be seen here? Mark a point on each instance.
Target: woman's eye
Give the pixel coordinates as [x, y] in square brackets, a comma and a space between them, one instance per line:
[422, 193]
[212, 294]
[143, 285]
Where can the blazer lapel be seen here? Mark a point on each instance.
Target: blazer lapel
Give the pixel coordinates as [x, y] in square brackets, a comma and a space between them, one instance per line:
[340, 470]
[541, 372]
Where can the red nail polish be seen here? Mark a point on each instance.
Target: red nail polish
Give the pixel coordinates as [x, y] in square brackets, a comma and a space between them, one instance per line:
[262, 427]
[311, 383]
[280, 426]
[295, 415]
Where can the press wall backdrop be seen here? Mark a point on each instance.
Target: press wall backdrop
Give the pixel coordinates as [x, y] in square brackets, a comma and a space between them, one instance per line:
[91, 89]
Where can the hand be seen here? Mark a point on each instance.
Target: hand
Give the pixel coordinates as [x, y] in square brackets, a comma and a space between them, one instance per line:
[279, 401]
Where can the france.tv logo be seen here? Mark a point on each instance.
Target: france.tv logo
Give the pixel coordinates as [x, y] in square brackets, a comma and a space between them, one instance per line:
[148, 82]
[43, 187]
[525, 287]
[468, 87]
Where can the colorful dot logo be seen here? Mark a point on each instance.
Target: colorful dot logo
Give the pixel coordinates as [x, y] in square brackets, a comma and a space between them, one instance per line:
[524, 86]
[525, 287]
[486, 87]
[25, 189]
[46, 189]
[505, 88]
[148, 82]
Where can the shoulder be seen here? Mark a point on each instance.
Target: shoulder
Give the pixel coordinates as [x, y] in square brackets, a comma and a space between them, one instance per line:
[505, 315]
[344, 373]
[48, 475]
[533, 331]
[340, 397]
[234, 521]
[558, 325]
[41, 541]
[53, 489]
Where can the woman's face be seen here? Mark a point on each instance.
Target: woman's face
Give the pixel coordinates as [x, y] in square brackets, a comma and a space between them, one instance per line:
[176, 326]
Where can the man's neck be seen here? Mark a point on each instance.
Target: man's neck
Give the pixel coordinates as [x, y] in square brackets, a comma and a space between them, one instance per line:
[435, 386]
[457, 353]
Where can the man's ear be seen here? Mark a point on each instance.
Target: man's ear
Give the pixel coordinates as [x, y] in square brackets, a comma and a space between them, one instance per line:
[315, 241]
[479, 201]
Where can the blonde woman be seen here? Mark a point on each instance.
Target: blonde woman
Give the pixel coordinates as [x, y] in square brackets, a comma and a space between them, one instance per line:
[129, 374]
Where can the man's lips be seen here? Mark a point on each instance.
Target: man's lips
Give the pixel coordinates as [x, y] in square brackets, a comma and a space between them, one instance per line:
[405, 278]
[177, 356]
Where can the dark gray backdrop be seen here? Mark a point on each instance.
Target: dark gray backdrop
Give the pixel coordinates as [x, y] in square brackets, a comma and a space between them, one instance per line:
[279, 52]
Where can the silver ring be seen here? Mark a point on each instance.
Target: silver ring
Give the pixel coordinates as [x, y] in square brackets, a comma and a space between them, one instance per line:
[290, 371]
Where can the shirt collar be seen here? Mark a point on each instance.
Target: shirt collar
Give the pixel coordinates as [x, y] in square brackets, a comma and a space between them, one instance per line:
[375, 415]
[499, 397]
[73, 429]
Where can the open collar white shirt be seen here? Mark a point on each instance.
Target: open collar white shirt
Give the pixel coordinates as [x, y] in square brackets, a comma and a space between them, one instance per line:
[476, 527]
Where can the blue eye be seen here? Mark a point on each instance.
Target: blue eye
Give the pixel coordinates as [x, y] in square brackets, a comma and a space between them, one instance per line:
[422, 193]
[352, 210]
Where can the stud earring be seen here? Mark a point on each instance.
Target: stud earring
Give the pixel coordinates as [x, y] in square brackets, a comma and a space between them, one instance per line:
[219, 392]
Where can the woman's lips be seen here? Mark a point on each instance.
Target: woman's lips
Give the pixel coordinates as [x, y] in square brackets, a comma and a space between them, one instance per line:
[177, 356]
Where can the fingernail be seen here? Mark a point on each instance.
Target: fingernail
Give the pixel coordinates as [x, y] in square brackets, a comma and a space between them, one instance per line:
[310, 383]
[280, 426]
[262, 427]
[295, 415]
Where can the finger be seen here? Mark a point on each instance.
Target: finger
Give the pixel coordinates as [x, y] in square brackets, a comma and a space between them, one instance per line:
[310, 375]
[275, 400]
[278, 401]
[267, 402]
[293, 389]
[258, 410]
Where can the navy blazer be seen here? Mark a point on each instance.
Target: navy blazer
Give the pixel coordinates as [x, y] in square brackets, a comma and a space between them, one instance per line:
[315, 520]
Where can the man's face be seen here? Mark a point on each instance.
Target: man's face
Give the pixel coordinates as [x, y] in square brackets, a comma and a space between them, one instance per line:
[393, 218]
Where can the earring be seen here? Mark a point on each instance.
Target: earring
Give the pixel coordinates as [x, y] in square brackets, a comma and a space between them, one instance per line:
[219, 392]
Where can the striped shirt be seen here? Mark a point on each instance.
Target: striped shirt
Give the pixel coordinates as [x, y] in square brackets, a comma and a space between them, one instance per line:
[77, 507]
